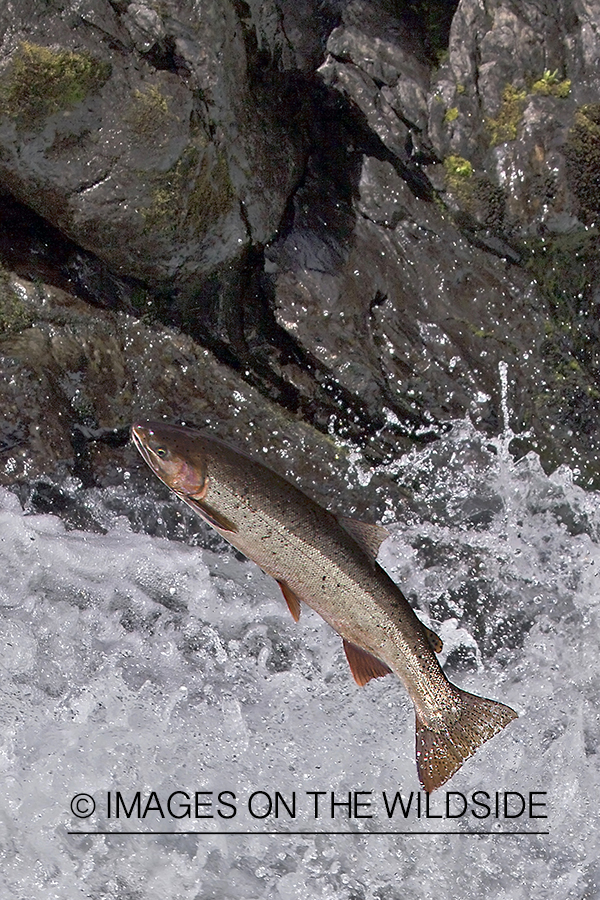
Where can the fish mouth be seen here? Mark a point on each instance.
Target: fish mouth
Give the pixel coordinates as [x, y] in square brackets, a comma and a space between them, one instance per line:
[139, 437]
[139, 430]
[140, 434]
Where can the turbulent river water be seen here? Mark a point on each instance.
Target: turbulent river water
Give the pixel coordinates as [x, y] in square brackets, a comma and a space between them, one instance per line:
[136, 667]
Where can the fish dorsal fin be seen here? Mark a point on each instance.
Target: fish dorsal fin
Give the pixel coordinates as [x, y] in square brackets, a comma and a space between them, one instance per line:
[210, 515]
[370, 537]
[434, 639]
[292, 600]
[363, 664]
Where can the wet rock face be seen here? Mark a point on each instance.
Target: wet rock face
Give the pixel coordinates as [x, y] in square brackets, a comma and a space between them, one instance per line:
[364, 227]
[75, 378]
[157, 140]
[507, 97]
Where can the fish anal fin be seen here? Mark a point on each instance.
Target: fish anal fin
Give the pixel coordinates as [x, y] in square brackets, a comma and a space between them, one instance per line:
[292, 599]
[363, 664]
[442, 752]
[370, 537]
[434, 639]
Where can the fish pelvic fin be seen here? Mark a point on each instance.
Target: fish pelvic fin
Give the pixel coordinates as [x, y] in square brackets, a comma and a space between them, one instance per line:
[441, 753]
[292, 599]
[363, 664]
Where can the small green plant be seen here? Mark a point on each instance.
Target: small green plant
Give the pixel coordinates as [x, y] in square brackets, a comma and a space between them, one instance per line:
[459, 175]
[457, 168]
[451, 114]
[550, 85]
[504, 127]
[39, 81]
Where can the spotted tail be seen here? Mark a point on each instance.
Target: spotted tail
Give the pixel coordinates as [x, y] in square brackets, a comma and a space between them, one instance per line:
[441, 753]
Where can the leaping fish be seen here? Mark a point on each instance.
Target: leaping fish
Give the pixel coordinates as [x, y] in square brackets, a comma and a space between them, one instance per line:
[330, 564]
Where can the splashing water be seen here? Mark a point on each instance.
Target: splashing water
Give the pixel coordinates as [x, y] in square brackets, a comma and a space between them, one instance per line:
[135, 663]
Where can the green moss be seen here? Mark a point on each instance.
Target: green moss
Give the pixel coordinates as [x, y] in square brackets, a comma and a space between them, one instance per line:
[460, 89]
[582, 152]
[505, 126]
[39, 81]
[149, 115]
[457, 168]
[550, 85]
[451, 114]
[459, 174]
[15, 316]
[566, 267]
[212, 193]
[194, 194]
[567, 270]
[482, 201]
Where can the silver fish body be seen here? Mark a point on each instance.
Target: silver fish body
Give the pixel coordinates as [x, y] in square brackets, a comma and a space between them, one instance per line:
[330, 565]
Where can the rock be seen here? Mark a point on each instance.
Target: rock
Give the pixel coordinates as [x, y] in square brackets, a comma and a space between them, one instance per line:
[76, 378]
[374, 239]
[405, 336]
[152, 139]
[508, 95]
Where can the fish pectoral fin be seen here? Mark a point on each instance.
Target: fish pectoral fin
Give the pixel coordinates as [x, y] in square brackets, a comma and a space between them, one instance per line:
[363, 664]
[210, 515]
[370, 537]
[434, 639]
[292, 599]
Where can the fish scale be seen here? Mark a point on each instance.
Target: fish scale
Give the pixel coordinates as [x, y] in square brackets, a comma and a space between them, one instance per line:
[330, 565]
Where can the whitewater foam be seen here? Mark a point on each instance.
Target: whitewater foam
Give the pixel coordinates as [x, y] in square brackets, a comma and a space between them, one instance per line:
[135, 663]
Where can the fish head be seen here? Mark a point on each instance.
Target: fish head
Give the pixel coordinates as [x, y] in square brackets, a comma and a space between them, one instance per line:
[164, 448]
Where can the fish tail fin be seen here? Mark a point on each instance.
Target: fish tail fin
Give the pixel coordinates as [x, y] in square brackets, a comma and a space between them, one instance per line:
[442, 752]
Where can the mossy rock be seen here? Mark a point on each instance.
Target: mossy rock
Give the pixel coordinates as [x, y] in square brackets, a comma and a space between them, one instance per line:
[39, 81]
[504, 127]
[474, 193]
[15, 316]
[567, 269]
[582, 152]
[459, 172]
[193, 195]
[149, 115]
[550, 85]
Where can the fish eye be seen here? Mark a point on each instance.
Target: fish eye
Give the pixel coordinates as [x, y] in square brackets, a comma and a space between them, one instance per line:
[161, 452]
